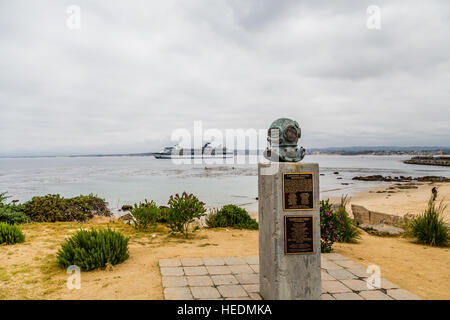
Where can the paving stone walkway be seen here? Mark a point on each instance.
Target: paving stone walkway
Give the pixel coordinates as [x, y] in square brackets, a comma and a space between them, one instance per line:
[237, 278]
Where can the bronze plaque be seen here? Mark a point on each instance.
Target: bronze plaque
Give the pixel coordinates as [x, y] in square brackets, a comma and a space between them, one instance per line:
[298, 191]
[298, 234]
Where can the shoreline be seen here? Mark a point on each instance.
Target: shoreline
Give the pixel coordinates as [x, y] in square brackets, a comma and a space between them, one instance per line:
[401, 201]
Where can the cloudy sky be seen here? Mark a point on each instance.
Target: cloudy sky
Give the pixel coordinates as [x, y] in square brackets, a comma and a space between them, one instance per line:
[137, 70]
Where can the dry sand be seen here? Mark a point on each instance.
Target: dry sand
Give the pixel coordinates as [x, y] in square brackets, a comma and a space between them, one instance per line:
[403, 201]
[421, 269]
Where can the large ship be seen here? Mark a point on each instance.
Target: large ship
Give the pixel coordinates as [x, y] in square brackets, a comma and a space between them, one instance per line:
[176, 152]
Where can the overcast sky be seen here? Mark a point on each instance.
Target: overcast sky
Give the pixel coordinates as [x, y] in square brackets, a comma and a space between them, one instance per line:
[137, 70]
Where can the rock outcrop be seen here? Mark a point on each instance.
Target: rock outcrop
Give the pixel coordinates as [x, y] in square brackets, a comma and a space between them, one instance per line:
[430, 161]
[401, 178]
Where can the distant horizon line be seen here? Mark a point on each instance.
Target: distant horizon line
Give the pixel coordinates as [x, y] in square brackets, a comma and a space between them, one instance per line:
[359, 148]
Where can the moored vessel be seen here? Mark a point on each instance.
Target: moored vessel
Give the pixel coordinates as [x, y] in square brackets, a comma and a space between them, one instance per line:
[207, 151]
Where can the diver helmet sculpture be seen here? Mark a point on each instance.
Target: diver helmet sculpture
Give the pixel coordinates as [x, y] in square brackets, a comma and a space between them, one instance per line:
[283, 136]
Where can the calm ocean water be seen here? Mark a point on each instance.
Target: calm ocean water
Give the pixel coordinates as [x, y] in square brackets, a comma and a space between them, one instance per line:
[126, 180]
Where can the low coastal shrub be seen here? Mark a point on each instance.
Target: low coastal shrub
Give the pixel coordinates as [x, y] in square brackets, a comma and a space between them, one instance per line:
[93, 249]
[331, 226]
[10, 234]
[53, 207]
[11, 213]
[145, 214]
[349, 232]
[429, 227]
[231, 216]
[182, 212]
[96, 206]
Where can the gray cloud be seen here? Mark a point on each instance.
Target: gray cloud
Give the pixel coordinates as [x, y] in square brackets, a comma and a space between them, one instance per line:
[137, 70]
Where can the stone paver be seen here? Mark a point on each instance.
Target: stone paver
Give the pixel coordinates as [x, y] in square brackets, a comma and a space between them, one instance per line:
[195, 271]
[346, 264]
[214, 261]
[169, 262]
[401, 294]
[218, 269]
[174, 281]
[325, 276]
[233, 260]
[181, 293]
[255, 296]
[172, 271]
[251, 287]
[252, 260]
[255, 267]
[238, 278]
[356, 285]
[359, 272]
[347, 296]
[330, 265]
[386, 284]
[205, 293]
[224, 279]
[192, 262]
[334, 287]
[232, 291]
[341, 274]
[374, 295]
[199, 281]
[239, 269]
[247, 278]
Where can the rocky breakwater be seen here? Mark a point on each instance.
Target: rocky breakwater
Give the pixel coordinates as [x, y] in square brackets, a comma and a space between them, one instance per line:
[430, 160]
[402, 178]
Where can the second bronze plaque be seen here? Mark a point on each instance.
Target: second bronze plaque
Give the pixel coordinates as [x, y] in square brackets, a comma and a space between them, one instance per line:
[298, 234]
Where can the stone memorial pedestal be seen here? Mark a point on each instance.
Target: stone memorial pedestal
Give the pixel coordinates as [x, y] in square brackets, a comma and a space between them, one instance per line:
[289, 231]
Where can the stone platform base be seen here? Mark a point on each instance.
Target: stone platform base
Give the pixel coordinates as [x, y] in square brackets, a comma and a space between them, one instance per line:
[237, 278]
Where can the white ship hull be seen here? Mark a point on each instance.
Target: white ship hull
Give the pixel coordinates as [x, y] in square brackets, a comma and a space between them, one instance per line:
[206, 152]
[193, 156]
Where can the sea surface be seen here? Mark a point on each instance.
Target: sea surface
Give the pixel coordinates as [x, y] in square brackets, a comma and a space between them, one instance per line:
[130, 179]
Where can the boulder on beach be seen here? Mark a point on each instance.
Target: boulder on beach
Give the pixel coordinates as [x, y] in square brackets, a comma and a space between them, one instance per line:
[382, 229]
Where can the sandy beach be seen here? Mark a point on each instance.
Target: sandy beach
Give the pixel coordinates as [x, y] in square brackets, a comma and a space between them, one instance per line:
[402, 201]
